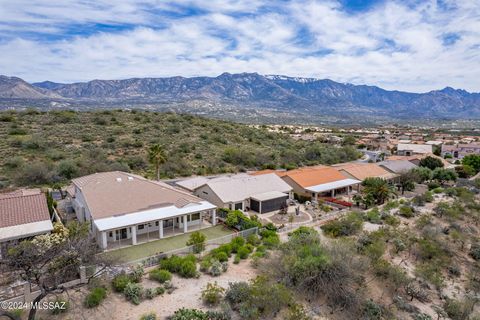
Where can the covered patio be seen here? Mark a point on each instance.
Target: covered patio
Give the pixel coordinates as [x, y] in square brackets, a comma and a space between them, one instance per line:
[333, 188]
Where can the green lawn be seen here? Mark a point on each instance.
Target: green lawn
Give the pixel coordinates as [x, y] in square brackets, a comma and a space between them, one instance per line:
[147, 249]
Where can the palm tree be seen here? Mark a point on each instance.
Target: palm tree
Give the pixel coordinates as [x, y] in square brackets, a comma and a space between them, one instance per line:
[156, 156]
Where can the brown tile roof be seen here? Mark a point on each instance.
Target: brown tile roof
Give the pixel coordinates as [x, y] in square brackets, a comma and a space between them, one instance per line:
[312, 176]
[17, 209]
[116, 193]
[416, 158]
[361, 171]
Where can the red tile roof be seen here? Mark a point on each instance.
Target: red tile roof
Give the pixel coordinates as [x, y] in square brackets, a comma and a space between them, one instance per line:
[21, 209]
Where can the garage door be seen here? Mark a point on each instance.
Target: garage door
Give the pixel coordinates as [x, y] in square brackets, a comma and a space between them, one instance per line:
[273, 204]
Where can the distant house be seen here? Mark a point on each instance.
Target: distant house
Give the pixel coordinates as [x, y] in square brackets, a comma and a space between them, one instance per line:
[260, 193]
[123, 208]
[23, 214]
[397, 166]
[318, 181]
[408, 149]
[415, 159]
[459, 151]
[362, 171]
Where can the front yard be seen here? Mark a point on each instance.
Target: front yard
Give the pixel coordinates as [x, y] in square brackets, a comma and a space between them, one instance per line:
[151, 248]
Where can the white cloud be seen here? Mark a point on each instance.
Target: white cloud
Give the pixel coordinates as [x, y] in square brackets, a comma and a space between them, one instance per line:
[391, 45]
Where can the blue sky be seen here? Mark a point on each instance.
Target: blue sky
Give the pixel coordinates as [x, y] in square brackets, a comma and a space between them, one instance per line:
[408, 45]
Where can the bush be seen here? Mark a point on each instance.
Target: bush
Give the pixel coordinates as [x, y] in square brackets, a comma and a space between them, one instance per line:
[221, 256]
[475, 251]
[188, 269]
[237, 293]
[95, 297]
[205, 264]
[197, 240]
[194, 314]
[212, 294]
[433, 185]
[272, 241]
[137, 273]
[149, 316]
[236, 243]
[133, 292]
[345, 226]
[253, 239]
[160, 275]
[120, 281]
[406, 211]
[236, 260]
[216, 268]
[243, 252]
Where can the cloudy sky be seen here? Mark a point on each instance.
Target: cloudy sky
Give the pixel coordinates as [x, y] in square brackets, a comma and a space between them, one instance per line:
[411, 45]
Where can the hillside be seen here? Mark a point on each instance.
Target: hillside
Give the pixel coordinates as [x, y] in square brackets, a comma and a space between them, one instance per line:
[270, 96]
[43, 148]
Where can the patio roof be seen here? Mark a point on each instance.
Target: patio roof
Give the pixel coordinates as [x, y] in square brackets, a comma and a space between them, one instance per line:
[333, 185]
[269, 196]
[156, 214]
[25, 230]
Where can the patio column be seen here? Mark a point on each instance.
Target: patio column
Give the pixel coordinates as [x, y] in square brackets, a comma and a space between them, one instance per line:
[260, 207]
[348, 190]
[134, 235]
[333, 193]
[104, 240]
[200, 221]
[160, 229]
[315, 196]
[185, 228]
[214, 217]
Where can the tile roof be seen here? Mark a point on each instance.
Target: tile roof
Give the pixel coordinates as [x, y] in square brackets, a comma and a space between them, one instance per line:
[416, 159]
[361, 171]
[117, 193]
[417, 148]
[312, 176]
[17, 209]
[397, 166]
[242, 186]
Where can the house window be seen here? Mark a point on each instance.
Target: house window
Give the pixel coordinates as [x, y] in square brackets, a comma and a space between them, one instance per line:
[205, 192]
[110, 234]
[195, 216]
[238, 206]
[141, 227]
[156, 223]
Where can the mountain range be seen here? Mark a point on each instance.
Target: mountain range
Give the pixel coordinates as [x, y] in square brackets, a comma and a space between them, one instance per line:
[264, 94]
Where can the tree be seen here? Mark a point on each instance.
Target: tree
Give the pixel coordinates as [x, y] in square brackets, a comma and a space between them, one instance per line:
[465, 171]
[197, 240]
[48, 261]
[472, 160]
[379, 189]
[431, 162]
[421, 174]
[156, 157]
[444, 175]
[406, 181]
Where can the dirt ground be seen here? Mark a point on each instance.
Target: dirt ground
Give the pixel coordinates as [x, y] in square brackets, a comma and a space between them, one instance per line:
[186, 295]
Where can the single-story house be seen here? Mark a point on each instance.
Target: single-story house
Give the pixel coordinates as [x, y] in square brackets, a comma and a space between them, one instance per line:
[318, 181]
[124, 208]
[408, 149]
[415, 159]
[362, 171]
[397, 166]
[260, 193]
[23, 214]
[460, 150]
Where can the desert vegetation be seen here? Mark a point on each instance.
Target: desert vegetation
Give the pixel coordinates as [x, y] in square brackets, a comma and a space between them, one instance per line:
[38, 148]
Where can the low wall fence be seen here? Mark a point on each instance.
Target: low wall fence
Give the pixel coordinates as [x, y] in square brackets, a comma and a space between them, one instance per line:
[209, 245]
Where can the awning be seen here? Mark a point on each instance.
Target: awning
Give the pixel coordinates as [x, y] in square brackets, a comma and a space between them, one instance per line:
[269, 196]
[333, 185]
[25, 230]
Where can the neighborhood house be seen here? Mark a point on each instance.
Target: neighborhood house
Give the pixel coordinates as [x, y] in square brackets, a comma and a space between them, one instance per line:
[259, 193]
[125, 209]
[23, 214]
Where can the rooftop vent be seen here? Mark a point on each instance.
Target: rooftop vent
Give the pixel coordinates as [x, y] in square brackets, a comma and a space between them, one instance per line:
[119, 179]
[130, 178]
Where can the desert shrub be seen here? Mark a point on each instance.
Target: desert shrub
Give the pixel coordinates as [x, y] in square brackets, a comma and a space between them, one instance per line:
[212, 294]
[459, 309]
[236, 243]
[243, 252]
[391, 220]
[345, 226]
[197, 240]
[149, 316]
[373, 216]
[431, 272]
[475, 251]
[237, 293]
[406, 211]
[205, 264]
[236, 219]
[137, 273]
[216, 268]
[133, 292]
[297, 312]
[373, 311]
[160, 275]
[236, 260]
[253, 239]
[221, 256]
[194, 314]
[120, 281]
[95, 297]
[433, 185]
[188, 269]
[395, 274]
[184, 266]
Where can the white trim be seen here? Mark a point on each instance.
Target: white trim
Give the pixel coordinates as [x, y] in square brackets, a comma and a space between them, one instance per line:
[25, 230]
[333, 185]
[149, 216]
